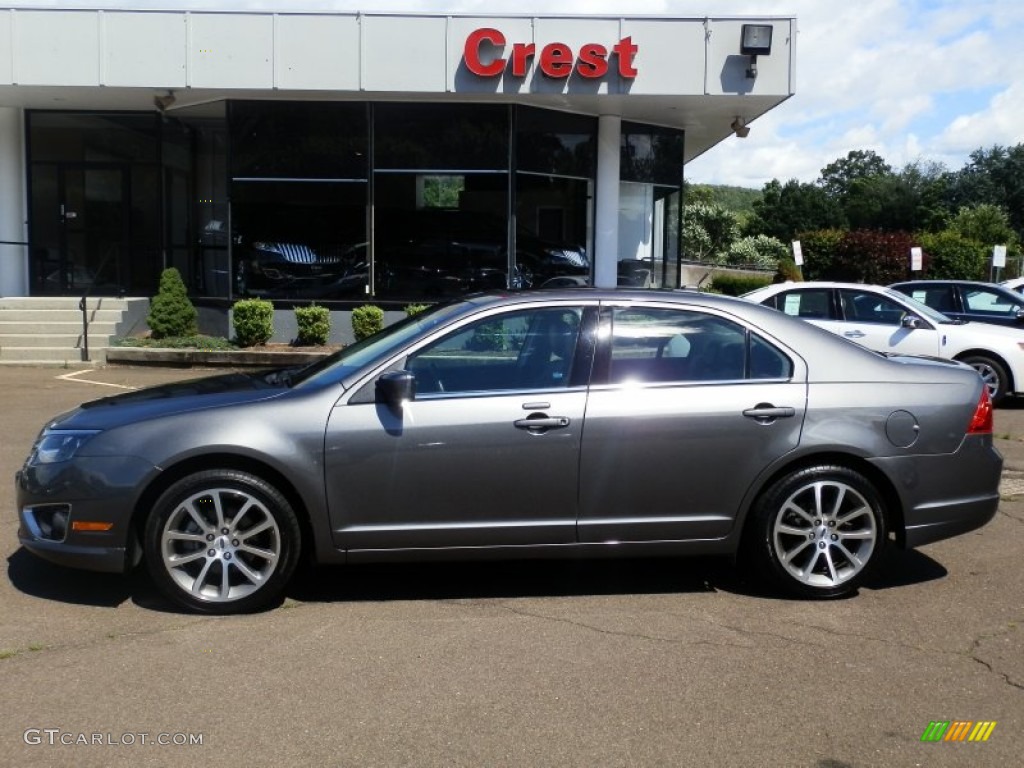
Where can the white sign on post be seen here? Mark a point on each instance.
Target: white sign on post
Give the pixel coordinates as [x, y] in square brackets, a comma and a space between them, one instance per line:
[798, 254]
[916, 259]
[999, 256]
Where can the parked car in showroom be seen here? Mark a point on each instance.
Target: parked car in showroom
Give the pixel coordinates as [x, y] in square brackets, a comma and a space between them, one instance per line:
[550, 423]
[886, 320]
[968, 300]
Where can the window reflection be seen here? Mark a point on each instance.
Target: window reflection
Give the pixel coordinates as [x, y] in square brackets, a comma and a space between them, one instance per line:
[531, 349]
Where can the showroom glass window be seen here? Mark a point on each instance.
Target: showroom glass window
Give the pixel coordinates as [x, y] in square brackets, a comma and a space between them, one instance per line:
[651, 171]
[440, 188]
[556, 158]
[94, 200]
[299, 190]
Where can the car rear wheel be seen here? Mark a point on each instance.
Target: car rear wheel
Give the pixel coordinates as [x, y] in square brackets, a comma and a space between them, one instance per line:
[222, 541]
[818, 532]
[993, 373]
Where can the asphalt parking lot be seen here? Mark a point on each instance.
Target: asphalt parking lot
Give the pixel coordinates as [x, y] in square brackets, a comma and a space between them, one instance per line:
[654, 663]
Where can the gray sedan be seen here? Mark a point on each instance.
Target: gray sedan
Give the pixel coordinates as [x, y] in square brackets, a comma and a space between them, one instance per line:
[555, 423]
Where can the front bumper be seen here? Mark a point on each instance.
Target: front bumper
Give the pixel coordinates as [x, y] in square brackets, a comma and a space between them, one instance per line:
[948, 495]
[100, 490]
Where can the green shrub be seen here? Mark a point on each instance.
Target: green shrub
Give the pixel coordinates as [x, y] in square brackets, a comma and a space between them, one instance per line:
[253, 320]
[736, 285]
[415, 309]
[819, 250]
[788, 271]
[950, 256]
[314, 325]
[171, 312]
[366, 321]
[759, 251]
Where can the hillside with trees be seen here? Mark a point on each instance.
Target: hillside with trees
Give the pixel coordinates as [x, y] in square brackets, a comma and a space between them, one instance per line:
[860, 217]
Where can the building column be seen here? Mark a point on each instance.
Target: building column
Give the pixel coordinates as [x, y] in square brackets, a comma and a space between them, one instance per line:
[606, 224]
[13, 217]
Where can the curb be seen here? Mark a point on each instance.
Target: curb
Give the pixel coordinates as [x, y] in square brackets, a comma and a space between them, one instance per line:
[189, 357]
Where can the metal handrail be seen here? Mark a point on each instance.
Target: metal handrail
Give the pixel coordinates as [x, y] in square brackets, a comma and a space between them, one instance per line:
[83, 305]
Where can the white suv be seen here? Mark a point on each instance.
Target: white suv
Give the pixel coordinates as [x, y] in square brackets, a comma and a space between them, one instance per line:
[888, 321]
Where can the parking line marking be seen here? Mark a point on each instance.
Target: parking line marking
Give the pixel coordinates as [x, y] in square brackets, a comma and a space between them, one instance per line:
[71, 377]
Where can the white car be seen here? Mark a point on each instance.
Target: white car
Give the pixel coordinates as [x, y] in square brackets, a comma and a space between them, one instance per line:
[1016, 284]
[888, 321]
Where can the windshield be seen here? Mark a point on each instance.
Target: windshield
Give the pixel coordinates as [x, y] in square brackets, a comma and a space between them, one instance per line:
[335, 368]
[922, 309]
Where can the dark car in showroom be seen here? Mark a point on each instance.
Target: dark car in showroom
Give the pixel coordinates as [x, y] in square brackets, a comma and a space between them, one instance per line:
[443, 252]
[968, 300]
[554, 423]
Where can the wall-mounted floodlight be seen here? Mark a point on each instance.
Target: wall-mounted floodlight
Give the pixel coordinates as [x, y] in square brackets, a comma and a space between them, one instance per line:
[755, 40]
[740, 128]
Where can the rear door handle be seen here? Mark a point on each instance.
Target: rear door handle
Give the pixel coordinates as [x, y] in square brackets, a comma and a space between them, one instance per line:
[766, 413]
[855, 334]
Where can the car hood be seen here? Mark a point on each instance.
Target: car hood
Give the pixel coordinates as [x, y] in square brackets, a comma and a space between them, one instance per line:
[167, 399]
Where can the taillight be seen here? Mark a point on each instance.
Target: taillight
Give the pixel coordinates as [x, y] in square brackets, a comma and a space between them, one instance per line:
[981, 422]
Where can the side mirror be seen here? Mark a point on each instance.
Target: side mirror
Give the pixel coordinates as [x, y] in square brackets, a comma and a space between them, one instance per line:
[395, 388]
[1018, 314]
[910, 321]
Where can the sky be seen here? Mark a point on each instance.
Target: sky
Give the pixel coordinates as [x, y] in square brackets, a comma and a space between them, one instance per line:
[912, 80]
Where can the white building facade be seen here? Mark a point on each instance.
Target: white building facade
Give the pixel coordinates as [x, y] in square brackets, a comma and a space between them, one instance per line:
[341, 157]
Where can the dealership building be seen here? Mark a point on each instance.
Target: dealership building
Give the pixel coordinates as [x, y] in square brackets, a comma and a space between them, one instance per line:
[351, 157]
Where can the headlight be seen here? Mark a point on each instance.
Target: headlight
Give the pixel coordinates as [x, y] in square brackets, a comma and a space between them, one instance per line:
[56, 446]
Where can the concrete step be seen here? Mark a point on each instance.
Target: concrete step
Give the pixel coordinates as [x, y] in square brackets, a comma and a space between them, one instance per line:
[44, 328]
[69, 340]
[62, 315]
[47, 354]
[62, 302]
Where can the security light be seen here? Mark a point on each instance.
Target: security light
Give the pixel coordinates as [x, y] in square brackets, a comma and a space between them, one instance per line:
[755, 40]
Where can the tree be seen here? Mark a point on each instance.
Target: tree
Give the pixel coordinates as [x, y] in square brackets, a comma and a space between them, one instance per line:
[786, 209]
[985, 223]
[838, 177]
[993, 176]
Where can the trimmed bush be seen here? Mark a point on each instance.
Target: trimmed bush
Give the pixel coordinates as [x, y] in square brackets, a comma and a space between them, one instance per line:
[415, 309]
[171, 313]
[314, 325]
[253, 320]
[366, 321]
[949, 256]
[737, 285]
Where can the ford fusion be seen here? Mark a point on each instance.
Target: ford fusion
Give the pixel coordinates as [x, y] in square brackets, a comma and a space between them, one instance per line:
[555, 423]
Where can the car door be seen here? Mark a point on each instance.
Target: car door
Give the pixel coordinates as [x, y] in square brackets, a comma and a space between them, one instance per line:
[486, 454]
[876, 321]
[687, 408]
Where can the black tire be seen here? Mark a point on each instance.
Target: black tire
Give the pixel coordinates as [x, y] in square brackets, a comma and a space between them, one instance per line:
[993, 373]
[817, 532]
[222, 541]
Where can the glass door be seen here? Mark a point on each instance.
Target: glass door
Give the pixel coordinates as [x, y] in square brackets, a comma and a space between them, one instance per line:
[81, 230]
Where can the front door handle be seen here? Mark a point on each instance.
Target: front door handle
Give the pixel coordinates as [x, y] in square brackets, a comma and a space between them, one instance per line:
[855, 334]
[538, 424]
[766, 413]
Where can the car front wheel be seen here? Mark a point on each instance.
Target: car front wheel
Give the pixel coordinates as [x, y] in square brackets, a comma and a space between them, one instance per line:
[222, 541]
[818, 532]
